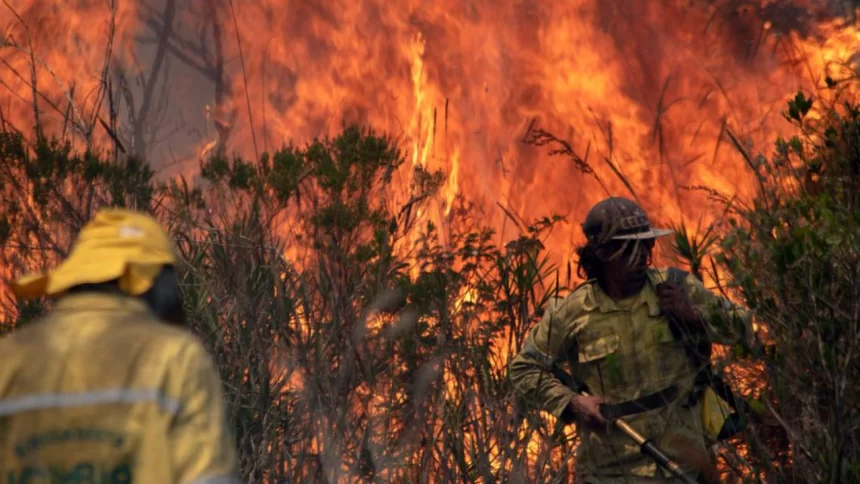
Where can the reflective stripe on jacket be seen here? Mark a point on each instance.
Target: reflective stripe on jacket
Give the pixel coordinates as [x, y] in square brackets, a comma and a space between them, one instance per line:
[100, 391]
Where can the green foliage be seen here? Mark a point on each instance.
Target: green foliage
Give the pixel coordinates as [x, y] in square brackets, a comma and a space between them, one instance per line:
[355, 340]
[692, 248]
[793, 255]
[799, 107]
[47, 192]
[350, 338]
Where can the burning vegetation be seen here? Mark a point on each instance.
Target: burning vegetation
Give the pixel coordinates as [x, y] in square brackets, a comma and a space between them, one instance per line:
[374, 201]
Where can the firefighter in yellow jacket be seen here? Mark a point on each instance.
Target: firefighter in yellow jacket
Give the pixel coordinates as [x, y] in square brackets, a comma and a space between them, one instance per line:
[108, 387]
[614, 333]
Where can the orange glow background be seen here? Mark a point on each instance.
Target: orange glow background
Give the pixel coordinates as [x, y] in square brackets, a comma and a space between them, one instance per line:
[646, 86]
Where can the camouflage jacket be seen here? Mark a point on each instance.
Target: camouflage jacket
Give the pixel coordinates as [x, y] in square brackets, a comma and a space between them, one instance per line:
[623, 350]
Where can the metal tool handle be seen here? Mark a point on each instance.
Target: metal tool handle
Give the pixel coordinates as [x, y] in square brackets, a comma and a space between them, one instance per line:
[651, 450]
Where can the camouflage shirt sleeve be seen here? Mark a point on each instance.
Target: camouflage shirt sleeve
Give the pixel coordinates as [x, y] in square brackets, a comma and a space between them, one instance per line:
[548, 343]
[726, 322]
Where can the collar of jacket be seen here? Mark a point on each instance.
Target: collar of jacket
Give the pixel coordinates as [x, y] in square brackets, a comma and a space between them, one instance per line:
[596, 299]
[101, 301]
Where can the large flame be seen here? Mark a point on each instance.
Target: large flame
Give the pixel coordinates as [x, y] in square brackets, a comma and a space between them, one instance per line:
[646, 89]
[649, 87]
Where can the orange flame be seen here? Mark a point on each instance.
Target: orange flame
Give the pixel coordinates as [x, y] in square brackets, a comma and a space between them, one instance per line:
[646, 89]
[650, 88]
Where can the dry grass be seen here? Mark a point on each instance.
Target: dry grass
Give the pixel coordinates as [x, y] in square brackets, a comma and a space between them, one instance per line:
[355, 346]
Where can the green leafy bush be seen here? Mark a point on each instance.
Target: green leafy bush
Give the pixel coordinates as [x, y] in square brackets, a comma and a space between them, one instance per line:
[47, 193]
[355, 340]
[352, 341]
[793, 256]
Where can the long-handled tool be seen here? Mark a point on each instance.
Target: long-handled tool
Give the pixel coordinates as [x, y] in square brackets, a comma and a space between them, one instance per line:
[615, 413]
[650, 449]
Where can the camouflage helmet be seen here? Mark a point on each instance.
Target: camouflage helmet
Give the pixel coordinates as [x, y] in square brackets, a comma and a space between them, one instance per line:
[617, 218]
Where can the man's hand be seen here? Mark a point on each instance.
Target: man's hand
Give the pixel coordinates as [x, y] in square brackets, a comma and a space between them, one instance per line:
[675, 301]
[587, 408]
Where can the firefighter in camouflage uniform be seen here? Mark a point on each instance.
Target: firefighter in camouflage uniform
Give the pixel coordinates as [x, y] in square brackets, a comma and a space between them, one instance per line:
[615, 332]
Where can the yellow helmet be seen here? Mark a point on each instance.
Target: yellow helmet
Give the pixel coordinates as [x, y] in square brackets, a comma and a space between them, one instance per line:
[117, 244]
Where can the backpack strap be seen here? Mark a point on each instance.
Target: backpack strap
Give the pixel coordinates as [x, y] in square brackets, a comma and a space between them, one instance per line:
[698, 349]
[699, 353]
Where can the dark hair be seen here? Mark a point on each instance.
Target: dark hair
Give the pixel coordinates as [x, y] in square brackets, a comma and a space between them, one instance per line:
[164, 298]
[589, 266]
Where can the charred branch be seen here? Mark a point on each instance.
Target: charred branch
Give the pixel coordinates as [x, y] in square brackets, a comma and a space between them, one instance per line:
[204, 52]
[139, 144]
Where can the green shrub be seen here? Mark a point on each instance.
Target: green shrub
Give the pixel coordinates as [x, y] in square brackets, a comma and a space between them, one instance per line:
[351, 340]
[793, 256]
[354, 341]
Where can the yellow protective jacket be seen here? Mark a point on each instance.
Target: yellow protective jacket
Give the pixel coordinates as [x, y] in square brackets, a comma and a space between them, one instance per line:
[622, 351]
[100, 391]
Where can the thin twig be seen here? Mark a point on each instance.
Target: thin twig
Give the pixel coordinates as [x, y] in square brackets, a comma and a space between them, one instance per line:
[245, 78]
[33, 78]
[35, 58]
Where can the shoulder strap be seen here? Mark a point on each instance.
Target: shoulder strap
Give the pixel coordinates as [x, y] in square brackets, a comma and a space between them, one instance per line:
[700, 355]
[697, 351]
